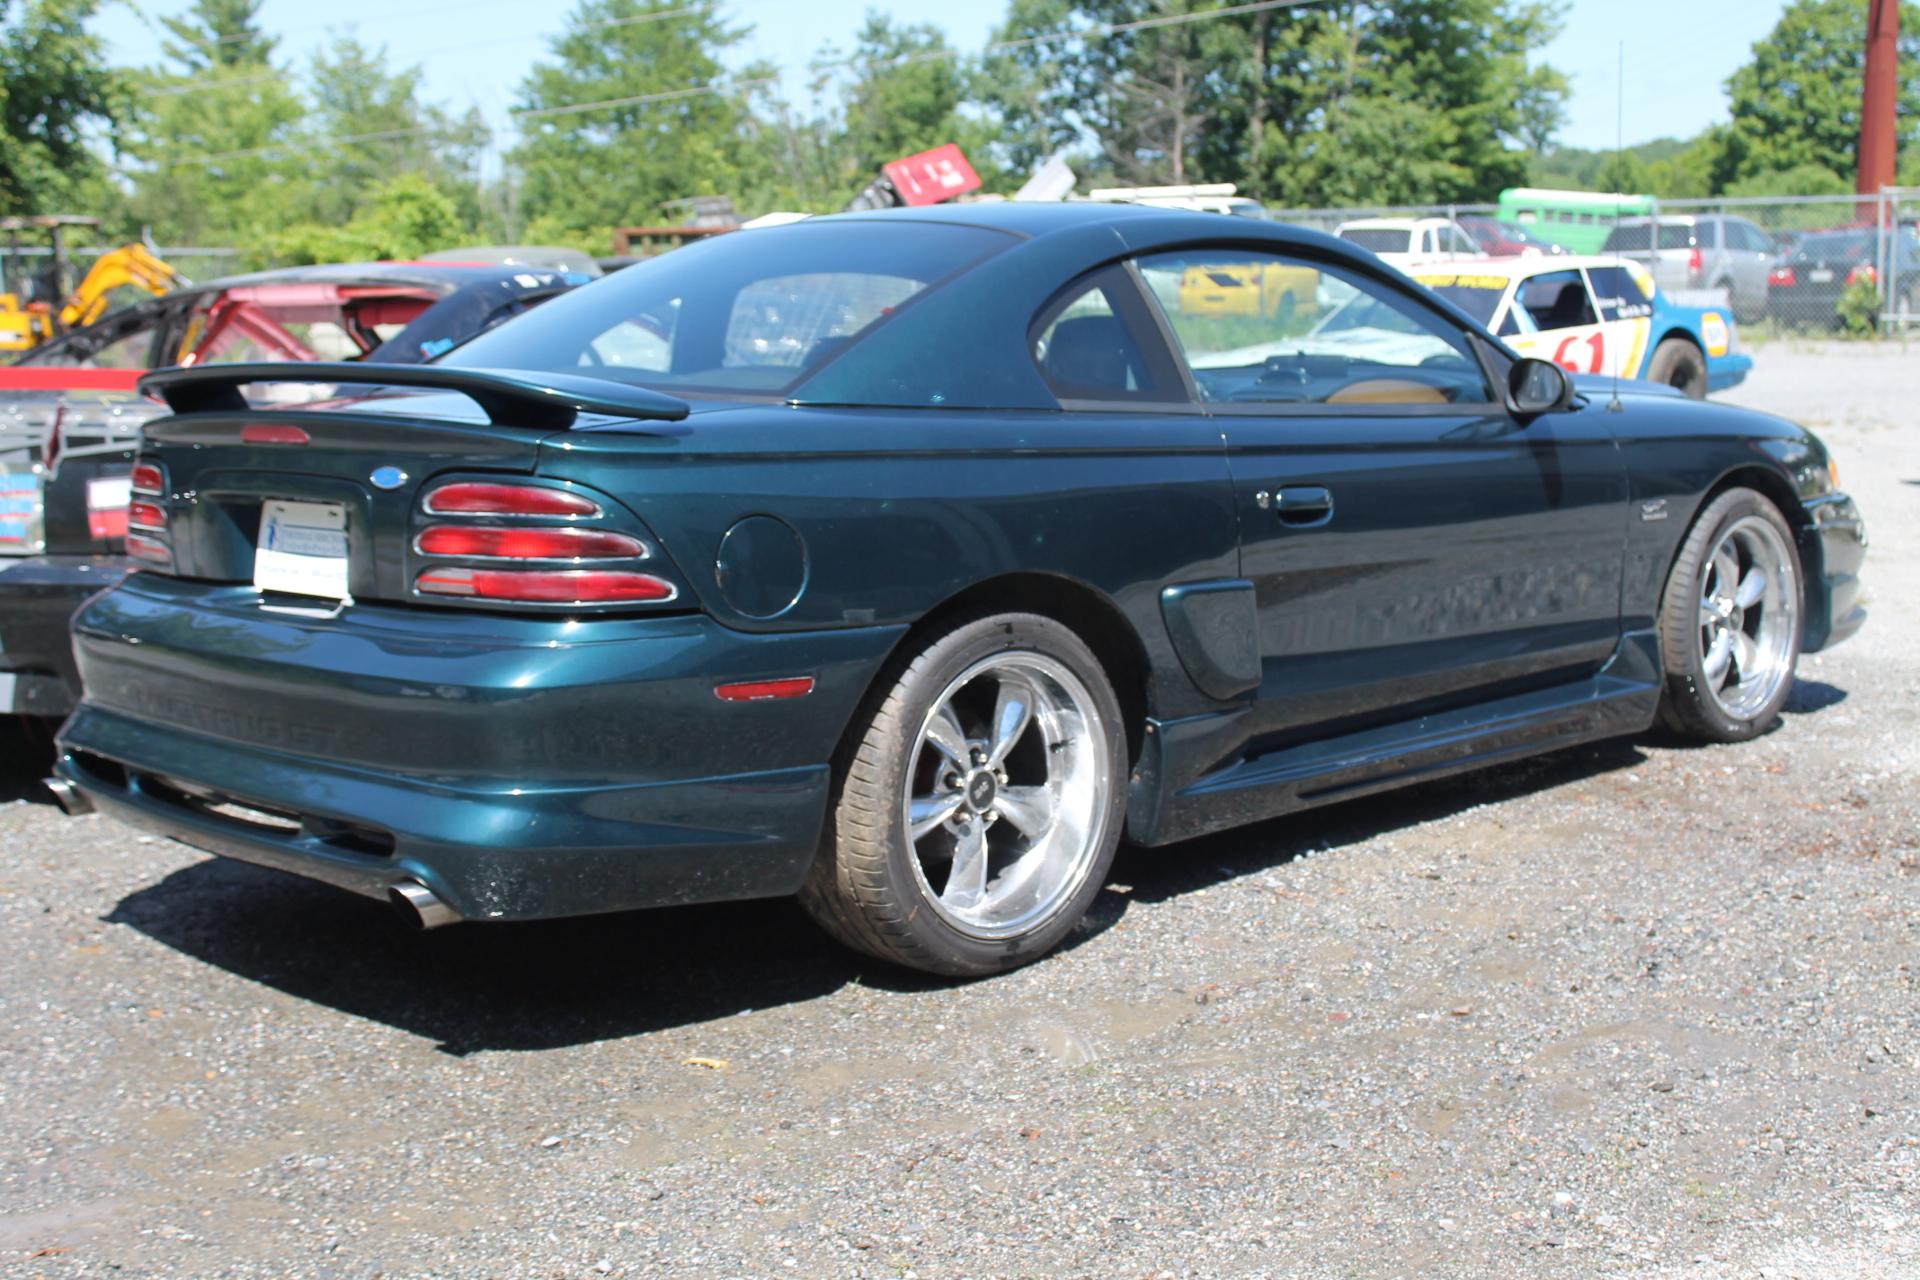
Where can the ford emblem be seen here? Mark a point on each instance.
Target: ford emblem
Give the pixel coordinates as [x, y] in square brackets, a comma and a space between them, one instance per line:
[388, 478]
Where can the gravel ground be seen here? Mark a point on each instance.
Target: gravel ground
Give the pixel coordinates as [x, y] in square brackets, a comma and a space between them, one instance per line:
[1628, 1010]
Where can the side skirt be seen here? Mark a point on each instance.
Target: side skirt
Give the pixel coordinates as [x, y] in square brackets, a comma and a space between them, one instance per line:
[1620, 699]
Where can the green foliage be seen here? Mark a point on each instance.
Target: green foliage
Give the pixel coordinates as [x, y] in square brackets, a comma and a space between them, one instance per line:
[54, 85]
[1801, 180]
[1859, 309]
[218, 34]
[1329, 104]
[617, 164]
[1671, 168]
[1798, 102]
[403, 218]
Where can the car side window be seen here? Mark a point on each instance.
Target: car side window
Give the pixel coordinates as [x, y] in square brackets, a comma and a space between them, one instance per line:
[1619, 293]
[1096, 341]
[1295, 332]
[1558, 300]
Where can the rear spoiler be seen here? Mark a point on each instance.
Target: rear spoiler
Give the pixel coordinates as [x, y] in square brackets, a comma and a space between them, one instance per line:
[509, 397]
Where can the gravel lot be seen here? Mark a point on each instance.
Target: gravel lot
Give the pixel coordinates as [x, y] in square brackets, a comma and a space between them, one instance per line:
[1631, 1010]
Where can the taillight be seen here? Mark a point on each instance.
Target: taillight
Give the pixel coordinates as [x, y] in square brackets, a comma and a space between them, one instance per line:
[151, 550]
[477, 499]
[542, 544]
[561, 543]
[1864, 272]
[1696, 263]
[146, 532]
[1782, 278]
[548, 586]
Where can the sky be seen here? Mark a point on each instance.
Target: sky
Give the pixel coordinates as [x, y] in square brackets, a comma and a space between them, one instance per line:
[1676, 56]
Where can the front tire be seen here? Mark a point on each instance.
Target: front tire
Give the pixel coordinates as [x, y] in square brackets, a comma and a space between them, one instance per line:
[1730, 621]
[979, 809]
[1678, 363]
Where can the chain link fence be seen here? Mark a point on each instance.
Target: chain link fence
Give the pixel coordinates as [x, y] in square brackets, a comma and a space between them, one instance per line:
[1791, 264]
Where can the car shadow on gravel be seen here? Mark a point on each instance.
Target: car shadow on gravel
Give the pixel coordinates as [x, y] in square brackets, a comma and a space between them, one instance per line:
[528, 986]
[1158, 874]
[558, 983]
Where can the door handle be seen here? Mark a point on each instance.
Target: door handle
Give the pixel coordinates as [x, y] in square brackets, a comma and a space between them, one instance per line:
[1302, 506]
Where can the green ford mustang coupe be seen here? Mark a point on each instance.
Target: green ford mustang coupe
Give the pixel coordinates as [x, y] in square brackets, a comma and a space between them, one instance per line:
[907, 562]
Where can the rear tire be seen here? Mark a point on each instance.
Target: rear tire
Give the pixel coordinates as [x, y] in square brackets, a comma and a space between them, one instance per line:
[1730, 621]
[1678, 363]
[981, 803]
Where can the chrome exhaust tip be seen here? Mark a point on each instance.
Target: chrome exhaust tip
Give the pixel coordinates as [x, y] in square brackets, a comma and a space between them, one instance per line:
[420, 906]
[73, 802]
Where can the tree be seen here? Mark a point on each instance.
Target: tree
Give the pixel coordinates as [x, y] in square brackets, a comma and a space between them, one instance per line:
[218, 34]
[54, 86]
[634, 110]
[368, 124]
[1346, 102]
[215, 134]
[1798, 101]
[403, 218]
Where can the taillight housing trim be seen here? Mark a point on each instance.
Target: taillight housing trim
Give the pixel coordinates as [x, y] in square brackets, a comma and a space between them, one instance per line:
[150, 516]
[564, 504]
[542, 588]
[149, 550]
[149, 478]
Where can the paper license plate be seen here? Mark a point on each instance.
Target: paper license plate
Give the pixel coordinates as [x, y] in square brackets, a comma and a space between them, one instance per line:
[302, 549]
[1820, 275]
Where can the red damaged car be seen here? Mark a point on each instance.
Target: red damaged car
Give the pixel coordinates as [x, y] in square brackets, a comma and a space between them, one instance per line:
[70, 417]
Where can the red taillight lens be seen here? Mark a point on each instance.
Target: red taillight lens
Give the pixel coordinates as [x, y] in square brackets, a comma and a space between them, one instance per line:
[146, 515]
[564, 543]
[273, 433]
[1782, 278]
[476, 499]
[547, 586]
[147, 479]
[1696, 263]
[151, 550]
[1865, 271]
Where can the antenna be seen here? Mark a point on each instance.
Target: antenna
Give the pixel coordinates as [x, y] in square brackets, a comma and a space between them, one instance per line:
[1619, 168]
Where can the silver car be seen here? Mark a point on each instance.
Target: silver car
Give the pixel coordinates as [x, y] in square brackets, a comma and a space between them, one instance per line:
[1701, 251]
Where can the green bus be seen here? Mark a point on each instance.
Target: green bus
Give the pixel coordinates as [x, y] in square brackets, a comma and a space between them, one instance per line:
[1576, 220]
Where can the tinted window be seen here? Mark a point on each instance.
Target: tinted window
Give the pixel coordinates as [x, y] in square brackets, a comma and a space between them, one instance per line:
[1558, 300]
[1098, 343]
[1378, 239]
[750, 312]
[1344, 339]
[1619, 294]
[1669, 236]
[1750, 237]
[1840, 246]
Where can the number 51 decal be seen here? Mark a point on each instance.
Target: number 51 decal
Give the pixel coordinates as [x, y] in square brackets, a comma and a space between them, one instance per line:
[1597, 344]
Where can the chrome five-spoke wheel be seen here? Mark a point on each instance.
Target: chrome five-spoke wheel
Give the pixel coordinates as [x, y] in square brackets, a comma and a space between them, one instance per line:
[1748, 617]
[1005, 792]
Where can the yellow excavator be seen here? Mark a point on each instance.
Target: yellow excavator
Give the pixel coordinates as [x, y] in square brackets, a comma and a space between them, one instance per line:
[37, 306]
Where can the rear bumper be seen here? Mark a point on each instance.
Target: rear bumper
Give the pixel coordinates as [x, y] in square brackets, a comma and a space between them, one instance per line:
[38, 598]
[519, 768]
[1833, 547]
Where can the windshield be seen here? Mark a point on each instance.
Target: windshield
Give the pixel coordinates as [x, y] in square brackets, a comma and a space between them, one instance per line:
[1478, 296]
[751, 312]
[1378, 239]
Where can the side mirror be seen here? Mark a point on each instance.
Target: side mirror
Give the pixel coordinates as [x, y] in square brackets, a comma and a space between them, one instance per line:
[1535, 387]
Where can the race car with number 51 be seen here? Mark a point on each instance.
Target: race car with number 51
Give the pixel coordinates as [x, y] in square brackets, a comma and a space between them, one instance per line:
[1595, 315]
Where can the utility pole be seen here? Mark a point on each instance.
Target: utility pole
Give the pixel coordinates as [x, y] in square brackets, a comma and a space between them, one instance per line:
[1879, 94]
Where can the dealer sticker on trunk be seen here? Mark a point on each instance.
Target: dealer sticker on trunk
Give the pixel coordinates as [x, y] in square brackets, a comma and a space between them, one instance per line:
[302, 549]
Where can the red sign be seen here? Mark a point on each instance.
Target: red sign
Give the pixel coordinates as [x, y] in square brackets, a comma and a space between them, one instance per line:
[933, 176]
